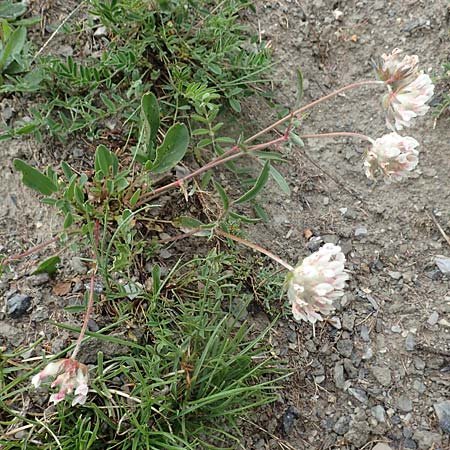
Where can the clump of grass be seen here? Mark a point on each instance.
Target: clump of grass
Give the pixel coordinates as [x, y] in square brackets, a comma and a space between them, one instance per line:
[185, 386]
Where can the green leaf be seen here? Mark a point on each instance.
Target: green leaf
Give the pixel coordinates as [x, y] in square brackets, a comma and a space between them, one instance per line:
[223, 195]
[135, 197]
[150, 109]
[48, 266]
[34, 179]
[299, 88]
[66, 170]
[13, 47]
[235, 104]
[296, 139]
[9, 10]
[171, 151]
[244, 219]
[280, 180]
[68, 220]
[106, 161]
[259, 210]
[257, 187]
[186, 224]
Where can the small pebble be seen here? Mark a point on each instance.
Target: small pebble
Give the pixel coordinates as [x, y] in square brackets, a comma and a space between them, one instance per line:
[410, 342]
[433, 319]
[288, 419]
[18, 305]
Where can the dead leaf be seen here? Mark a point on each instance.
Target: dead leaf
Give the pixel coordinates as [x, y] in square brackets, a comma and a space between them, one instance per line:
[308, 233]
[62, 288]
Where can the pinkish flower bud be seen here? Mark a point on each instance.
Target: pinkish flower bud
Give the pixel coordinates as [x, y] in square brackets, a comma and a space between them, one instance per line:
[70, 375]
[408, 102]
[396, 71]
[392, 155]
[316, 282]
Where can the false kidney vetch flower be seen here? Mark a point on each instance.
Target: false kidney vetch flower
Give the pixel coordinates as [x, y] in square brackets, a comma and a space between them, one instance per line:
[71, 377]
[409, 89]
[316, 282]
[392, 155]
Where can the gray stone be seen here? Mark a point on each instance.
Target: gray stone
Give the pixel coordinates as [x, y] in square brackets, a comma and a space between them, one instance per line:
[419, 386]
[11, 334]
[419, 364]
[288, 419]
[359, 394]
[349, 213]
[348, 321]
[395, 275]
[382, 375]
[330, 239]
[433, 319]
[39, 279]
[379, 413]
[442, 410]
[360, 231]
[335, 322]
[365, 333]
[358, 434]
[78, 266]
[18, 305]
[425, 439]
[338, 376]
[350, 369]
[404, 404]
[342, 425]
[443, 264]
[314, 243]
[382, 446]
[345, 347]
[410, 342]
[410, 443]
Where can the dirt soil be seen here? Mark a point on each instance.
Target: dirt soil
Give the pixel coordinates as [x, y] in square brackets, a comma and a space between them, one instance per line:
[380, 372]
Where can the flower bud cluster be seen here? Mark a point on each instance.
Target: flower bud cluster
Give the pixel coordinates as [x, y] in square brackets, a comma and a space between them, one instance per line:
[71, 377]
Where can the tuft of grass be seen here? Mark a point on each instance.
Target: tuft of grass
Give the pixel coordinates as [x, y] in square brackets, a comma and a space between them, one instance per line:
[184, 386]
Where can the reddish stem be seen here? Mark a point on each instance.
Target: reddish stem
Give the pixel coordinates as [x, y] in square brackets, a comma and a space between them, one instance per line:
[91, 296]
[310, 105]
[29, 252]
[337, 133]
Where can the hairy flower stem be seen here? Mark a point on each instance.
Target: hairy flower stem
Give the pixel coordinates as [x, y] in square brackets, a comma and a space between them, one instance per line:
[254, 247]
[337, 133]
[310, 105]
[29, 252]
[91, 296]
[229, 155]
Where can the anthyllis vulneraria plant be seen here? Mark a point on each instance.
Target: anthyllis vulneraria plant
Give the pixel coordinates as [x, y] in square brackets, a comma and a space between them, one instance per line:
[314, 283]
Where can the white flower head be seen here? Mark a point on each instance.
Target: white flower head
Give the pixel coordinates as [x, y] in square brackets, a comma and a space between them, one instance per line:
[392, 155]
[316, 282]
[70, 376]
[407, 102]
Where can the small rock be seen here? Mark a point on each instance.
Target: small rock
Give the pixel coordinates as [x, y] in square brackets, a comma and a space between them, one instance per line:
[404, 404]
[288, 419]
[419, 386]
[100, 31]
[10, 334]
[433, 319]
[92, 325]
[382, 375]
[443, 264]
[426, 439]
[358, 434]
[345, 347]
[335, 322]
[365, 333]
[348, 321]
[349, 213]
[65, 50]
[419, 364]
[410, 443]
[442, 410]
[342, 425]
[360, 231]
[382, 446]
[77, 265]
[395, 275]
[350, 369]
[444, 323]
[396, 329]
[379, 413]
[18, 305]
[367, 354]
[40, 314]
[410, 342]
[330, 239]
[314, 243]
[339, 379]
[38, 279]
[359, 394]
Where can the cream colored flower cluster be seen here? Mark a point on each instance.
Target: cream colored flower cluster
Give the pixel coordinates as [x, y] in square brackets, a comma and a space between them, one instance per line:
[392, 155]
[316, 282]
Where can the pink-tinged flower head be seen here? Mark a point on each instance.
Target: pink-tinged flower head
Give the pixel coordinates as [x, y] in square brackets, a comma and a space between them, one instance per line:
[397, 71]
[407, 102]
[392, 155]
[70, 376]
[316, 282]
